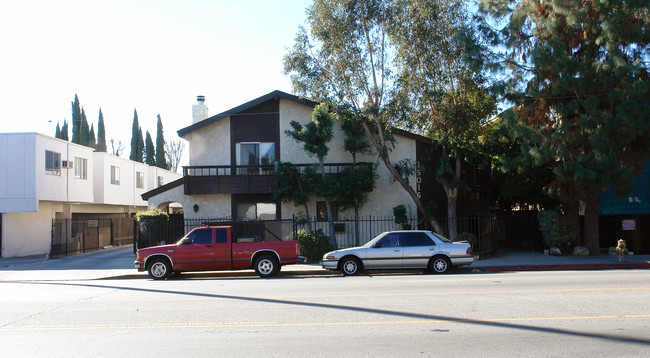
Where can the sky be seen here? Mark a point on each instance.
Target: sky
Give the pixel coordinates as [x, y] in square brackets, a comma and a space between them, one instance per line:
[152, 56]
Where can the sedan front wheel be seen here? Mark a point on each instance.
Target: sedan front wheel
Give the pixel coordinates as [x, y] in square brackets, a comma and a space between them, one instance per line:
[350, 266]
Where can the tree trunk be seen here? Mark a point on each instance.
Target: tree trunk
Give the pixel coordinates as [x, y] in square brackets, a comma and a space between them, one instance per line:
[308, 219]
[572, 222]
[452, 225]
[452, 195]
[330, 219]
[396, 175]
[591, 224]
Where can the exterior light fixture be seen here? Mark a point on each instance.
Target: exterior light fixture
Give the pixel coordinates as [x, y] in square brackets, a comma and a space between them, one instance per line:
[196, 208]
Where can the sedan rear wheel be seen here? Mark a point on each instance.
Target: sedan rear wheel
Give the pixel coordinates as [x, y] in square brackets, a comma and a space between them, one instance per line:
[350, 266]
[439, 264]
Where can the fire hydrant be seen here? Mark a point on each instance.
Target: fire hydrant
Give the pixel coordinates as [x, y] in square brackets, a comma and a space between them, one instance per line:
[621, 250]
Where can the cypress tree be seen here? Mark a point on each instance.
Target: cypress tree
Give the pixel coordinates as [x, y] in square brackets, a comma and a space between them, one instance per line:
[64, 130]
[57, 134]
[134, 137]
[84, 131]
[76, 119]
[92, 142]
[140, 146]
[160, 146]
[149, 151]
[101, 134]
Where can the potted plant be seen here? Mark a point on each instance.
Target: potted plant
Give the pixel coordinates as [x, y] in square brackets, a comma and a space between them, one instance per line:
[621, 250]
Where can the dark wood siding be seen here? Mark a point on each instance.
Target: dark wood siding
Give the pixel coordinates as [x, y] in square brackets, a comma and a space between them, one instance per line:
[257, 124]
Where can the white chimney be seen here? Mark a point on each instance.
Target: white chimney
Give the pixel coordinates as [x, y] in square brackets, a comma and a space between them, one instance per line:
[199, 110]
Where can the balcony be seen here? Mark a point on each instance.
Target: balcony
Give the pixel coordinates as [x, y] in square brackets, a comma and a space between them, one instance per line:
[241, 179]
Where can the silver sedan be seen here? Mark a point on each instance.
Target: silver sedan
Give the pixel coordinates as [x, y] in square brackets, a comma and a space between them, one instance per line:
[411, 249]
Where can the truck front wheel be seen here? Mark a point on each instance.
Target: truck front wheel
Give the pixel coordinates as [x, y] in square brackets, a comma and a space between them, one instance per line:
[160, 269]
[266, 266]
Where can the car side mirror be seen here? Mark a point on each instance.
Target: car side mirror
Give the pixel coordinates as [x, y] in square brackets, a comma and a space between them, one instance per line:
[377, 245]
[186, 242]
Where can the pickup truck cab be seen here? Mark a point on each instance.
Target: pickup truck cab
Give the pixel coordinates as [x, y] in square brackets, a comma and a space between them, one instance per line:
[212, 248]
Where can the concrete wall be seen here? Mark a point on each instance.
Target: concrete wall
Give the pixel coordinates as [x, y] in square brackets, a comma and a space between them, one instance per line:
[17, 173]
[28, 233]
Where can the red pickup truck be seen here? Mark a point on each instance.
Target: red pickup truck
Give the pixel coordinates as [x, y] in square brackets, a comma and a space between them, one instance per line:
[212, 248]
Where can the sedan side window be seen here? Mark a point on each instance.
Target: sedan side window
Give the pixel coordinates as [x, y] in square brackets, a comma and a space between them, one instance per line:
[390, 240]
[416, 239]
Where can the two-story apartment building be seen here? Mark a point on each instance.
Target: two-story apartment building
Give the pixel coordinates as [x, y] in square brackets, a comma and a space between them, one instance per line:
[232, 158]
[44, 179]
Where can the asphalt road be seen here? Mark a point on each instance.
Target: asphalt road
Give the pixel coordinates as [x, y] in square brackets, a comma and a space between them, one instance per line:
[524, 314]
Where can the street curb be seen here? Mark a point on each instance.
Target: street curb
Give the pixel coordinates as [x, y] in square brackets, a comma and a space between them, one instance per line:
[568, 267]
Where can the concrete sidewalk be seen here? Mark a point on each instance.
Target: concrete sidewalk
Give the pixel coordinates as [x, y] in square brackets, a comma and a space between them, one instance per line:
[117, 263]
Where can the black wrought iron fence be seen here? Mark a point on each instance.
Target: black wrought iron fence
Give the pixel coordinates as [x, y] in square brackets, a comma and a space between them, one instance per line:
[153, 233]
[487, 231]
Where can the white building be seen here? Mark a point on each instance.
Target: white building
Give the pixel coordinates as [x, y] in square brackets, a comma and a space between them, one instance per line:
[44, 178]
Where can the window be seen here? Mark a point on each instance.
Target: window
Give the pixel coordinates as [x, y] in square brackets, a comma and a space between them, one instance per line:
[201, 237]
[160, 181]
[139, 180]
[416, 239]
[256, 211]
[80, 168]
[390, 240]
[222, 236]
[115, 175]
[52, 163]
[321, 211]
[254, 154]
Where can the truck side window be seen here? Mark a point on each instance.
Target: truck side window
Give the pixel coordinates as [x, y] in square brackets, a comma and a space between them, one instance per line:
[222, 236]
[202, 237]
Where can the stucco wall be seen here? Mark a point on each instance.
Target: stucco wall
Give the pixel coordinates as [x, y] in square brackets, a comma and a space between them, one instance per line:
[26, 234]
[210, 145]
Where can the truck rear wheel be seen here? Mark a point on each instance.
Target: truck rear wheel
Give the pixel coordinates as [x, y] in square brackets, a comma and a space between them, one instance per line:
[266, 266]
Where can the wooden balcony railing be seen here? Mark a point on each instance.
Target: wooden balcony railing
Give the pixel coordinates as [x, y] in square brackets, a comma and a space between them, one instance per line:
[242, 179]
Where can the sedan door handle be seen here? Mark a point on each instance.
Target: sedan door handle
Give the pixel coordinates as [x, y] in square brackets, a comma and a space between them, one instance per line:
[208, 245]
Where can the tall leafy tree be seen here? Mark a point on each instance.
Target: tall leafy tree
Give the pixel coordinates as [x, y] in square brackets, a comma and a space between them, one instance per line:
[101, 134]
[76, 120]
[584, 104]
[174, 153]
[64, 130]
[149, 151]
[292, 187]
[315, 136]
[92, 141]
[160, 146]
[345, 58]
[136, 138]
[354, 182]
[440, 87]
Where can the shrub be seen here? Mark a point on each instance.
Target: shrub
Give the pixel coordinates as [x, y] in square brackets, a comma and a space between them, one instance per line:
[153, 227]
[313, 245]
[399, 212]
[549, 225]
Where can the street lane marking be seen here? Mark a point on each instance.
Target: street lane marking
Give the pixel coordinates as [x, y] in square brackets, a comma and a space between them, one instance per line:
[307, 324]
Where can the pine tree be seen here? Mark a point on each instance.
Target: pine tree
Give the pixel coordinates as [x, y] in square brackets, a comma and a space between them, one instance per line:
[160, 146]
[64, 130]
[84, 130]
[92, 142]
[76, 119]
[149, 151]
[585, 108]
[135, 131]
[101, 134]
